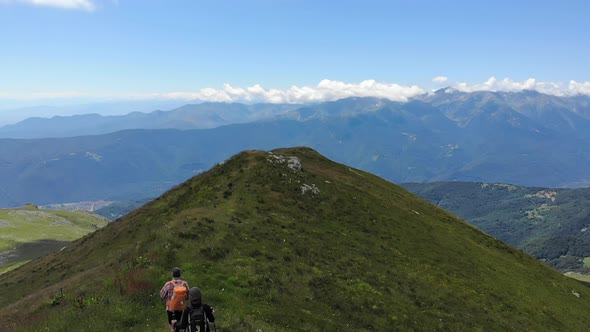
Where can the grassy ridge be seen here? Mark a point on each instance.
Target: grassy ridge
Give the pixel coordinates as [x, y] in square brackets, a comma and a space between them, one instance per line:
[326, 247]
[29, 225]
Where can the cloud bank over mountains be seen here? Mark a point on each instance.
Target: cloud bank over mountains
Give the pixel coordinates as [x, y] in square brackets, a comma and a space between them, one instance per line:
[508, 85]
[331, 90]
[325, 90]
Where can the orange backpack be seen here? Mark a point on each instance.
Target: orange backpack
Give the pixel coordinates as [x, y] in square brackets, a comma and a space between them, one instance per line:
[179, 297]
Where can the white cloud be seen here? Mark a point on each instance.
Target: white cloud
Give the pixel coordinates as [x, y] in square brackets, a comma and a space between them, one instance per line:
[324, 91]
[440, 79]
[507, 84]
[493, 84]
[87, 5]
[579, 88]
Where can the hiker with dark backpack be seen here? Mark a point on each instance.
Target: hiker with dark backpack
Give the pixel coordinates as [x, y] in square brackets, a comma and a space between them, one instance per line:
[197, 315]
[175, 293]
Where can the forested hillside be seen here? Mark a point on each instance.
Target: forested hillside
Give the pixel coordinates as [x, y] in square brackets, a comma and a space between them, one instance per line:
[552, 225]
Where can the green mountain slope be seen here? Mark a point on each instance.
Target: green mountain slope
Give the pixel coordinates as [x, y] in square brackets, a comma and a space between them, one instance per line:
[549, 224]
[28, 232]
[289, 241]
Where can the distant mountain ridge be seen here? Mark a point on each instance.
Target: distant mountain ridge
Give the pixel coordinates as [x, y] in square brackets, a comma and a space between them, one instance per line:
[564, 114]
[483, 136]
[190, 116]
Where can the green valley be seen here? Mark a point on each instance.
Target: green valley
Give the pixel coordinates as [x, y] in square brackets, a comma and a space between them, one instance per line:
[29, 232]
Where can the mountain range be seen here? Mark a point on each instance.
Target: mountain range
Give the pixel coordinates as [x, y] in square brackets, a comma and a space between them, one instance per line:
[190, 116]
[289, 240]
[525, 138]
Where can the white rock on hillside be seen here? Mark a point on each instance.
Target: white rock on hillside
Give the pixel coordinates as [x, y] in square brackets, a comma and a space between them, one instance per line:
[307, 188]
[293, 163]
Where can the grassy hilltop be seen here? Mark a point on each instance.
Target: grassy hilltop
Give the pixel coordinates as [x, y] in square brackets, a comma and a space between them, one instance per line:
[29, 232]
[291, 241]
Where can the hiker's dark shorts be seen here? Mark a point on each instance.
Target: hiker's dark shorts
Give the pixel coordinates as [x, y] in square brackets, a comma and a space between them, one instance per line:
[176, 315]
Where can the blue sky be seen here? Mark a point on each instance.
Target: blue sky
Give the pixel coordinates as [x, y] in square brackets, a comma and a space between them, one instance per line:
[104, 49]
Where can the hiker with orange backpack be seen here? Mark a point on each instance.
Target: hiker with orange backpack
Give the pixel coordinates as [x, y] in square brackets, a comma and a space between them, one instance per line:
[175, 293]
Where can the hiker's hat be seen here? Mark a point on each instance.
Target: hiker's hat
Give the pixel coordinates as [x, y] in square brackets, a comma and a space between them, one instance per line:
[176, 272]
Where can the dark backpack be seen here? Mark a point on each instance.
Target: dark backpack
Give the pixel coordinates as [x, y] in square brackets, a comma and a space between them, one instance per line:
[197, 319]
